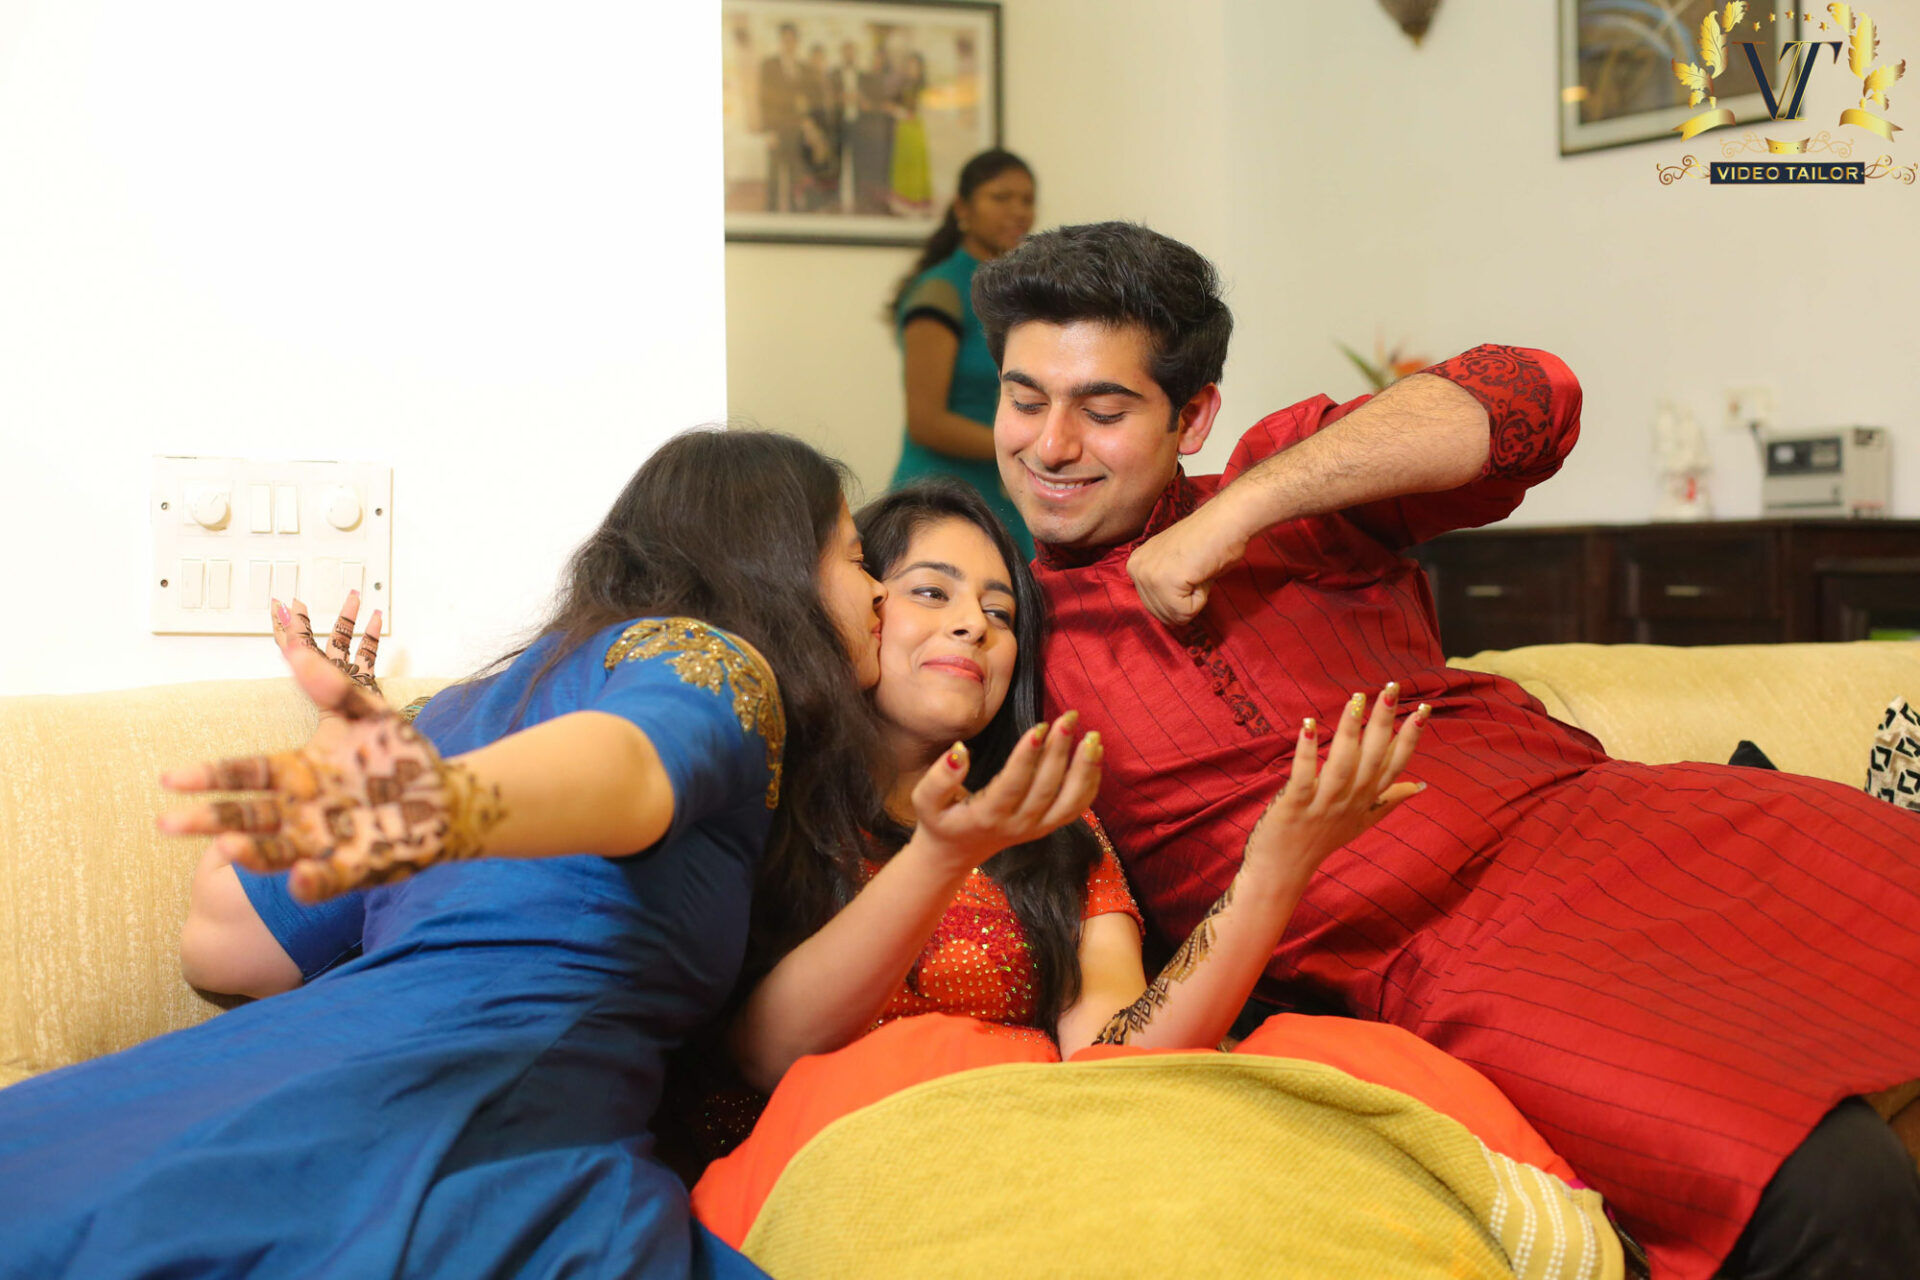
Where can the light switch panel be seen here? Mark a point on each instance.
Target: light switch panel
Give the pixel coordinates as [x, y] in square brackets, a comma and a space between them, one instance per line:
[229, 534]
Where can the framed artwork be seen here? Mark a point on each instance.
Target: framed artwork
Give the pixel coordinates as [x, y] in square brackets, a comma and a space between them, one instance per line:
[1617, 83]
[847, 121]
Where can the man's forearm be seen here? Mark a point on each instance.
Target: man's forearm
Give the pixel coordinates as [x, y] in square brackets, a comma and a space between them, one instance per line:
[1421, 435]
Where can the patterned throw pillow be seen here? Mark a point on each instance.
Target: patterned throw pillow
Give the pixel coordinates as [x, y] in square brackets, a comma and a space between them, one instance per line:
[1894, 771]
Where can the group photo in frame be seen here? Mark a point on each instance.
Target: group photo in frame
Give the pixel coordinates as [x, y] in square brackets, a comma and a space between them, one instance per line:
[1617, 83]
[847, 121]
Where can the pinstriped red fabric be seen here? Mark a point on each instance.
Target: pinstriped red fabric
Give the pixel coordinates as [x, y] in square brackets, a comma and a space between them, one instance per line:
[1673, 972]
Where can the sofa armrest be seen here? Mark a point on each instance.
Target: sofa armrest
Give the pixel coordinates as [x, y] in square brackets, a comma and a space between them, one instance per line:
[92, 897]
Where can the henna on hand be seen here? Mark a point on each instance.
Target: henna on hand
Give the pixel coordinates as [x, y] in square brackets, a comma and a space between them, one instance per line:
[360, 670]
[1138, 1016]
[340, 643]
[358, 667]
[377, 805]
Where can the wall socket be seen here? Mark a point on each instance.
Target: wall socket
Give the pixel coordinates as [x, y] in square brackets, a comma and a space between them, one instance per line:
[230, 534]
[1750, 408]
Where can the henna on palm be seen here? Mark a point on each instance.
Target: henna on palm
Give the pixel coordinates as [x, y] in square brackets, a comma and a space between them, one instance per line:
[261, 817]
[372, 812]
[1138, 1016]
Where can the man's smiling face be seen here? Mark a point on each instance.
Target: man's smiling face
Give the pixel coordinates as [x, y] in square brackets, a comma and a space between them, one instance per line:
[1082, 432]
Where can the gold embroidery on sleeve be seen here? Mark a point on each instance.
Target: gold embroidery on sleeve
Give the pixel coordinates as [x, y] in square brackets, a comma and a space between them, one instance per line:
[1100, 834]
[412, 710]
[702, 656]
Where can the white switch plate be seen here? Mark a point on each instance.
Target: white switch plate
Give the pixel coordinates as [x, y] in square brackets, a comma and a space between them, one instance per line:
[208, 516]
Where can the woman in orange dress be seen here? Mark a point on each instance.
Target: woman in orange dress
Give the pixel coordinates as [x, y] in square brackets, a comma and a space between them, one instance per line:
[987, 892]
[983, 892]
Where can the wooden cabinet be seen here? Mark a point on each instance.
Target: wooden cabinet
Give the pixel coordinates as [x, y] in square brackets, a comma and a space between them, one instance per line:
[1727, 582]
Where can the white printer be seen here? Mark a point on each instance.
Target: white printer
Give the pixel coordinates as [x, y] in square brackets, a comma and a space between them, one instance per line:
[1837, 471]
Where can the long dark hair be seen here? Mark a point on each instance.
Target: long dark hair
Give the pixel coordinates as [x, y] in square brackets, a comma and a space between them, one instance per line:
[729, 527]
[983, 168]
[1045, 880]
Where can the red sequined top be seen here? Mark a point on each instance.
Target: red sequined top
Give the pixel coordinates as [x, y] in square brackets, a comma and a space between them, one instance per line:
[977, 963]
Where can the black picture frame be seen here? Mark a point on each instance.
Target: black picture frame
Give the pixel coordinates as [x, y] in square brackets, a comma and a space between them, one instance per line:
[1616, 79]
[856, 133]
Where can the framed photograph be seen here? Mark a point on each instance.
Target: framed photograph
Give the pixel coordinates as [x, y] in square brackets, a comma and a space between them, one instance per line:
[1617, 83]
[847, 121]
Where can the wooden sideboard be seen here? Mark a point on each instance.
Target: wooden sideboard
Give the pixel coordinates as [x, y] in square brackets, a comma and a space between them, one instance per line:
[1716, 582]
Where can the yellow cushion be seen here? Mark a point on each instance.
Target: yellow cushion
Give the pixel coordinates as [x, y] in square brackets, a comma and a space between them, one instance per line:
[1812, 708]
[1168, 1165]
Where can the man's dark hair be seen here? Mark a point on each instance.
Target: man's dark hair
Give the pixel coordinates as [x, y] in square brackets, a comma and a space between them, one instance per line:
[1119, 274]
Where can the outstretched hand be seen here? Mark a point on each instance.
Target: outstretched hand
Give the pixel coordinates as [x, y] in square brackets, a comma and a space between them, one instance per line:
[1322, 807]
[1047, 782]
[371, 804]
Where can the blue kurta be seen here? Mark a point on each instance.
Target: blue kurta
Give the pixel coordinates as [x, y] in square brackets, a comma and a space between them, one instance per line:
[463, 1085]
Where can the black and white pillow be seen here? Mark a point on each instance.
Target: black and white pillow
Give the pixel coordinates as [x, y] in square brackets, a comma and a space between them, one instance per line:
[1893, 772]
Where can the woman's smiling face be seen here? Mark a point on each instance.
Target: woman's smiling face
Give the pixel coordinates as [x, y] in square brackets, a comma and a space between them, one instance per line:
[947, 648]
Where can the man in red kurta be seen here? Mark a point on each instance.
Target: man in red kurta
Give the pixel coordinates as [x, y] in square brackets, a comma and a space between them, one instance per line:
[1675, 972]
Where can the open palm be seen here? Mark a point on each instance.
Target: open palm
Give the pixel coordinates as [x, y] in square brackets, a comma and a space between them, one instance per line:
[370, 803]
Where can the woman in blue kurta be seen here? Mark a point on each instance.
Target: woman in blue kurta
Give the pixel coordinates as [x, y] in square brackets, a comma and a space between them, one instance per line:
[462, 1082]
[952, 382]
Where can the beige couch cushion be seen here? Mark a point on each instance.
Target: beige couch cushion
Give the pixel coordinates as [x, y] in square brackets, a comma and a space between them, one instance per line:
[1812, 708]
[91, 896]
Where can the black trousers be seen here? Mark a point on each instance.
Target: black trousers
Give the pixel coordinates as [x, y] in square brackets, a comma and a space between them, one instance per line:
[1846, 1203]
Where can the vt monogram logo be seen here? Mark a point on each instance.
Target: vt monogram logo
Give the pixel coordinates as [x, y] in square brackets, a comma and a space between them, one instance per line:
[1797, 77]
[1783, 101]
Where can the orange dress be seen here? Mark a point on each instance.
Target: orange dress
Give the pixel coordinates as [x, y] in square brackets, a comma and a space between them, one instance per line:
[821, 1089]
[976, 969]
[977, 963]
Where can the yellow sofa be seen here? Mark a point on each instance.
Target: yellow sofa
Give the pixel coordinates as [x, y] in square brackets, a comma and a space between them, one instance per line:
[92, 898]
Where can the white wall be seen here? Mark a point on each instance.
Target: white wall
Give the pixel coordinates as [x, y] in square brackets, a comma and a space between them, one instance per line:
[1349, 183]
[1420, 192]
[455, 238]
[1107, 99]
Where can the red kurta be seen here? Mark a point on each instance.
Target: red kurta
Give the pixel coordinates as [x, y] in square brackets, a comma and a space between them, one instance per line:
[1673, 971]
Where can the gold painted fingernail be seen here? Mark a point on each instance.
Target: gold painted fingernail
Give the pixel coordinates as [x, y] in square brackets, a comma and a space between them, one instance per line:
[1423, 712]
[1357, 706]
[1096, 749]
[1040, 733]
[1069, 720]
[957, 756]
[1391, 693]
[1309, 727]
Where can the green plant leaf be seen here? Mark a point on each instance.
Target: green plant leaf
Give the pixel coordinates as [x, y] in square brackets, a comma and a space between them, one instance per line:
[1376, 378]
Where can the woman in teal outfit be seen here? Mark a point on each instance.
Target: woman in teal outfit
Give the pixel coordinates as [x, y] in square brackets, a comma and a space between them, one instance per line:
[952, 383]
[453, 1073]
